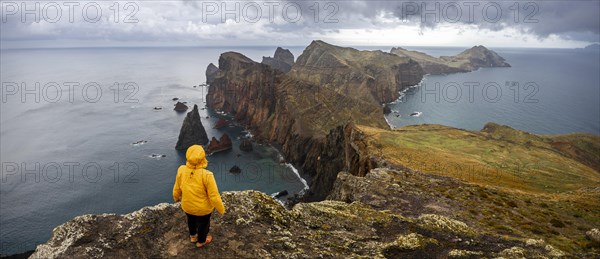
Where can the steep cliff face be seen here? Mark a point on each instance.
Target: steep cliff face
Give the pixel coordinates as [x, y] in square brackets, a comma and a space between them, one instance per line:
[282, 60]
[211, 71]
[192, 131]
[468, 60]
[343, 149]
[301, 114]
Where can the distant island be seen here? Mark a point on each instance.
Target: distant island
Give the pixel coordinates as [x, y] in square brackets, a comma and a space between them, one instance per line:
[468, 60]
[592, 47]
[419, 191]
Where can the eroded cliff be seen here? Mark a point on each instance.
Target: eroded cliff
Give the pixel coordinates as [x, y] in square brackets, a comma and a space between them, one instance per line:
[304, 111]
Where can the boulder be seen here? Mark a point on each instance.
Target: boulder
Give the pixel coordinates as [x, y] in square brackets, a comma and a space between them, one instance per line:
[192, 131]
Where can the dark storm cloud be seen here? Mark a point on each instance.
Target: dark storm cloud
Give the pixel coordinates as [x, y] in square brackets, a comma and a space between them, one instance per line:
[577, 20]
[188, 20]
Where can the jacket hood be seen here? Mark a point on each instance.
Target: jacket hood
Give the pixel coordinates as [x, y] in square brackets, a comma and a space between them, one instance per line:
[196, 157]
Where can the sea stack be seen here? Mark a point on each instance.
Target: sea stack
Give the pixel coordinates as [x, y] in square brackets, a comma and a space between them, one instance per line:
[192, 132]
[180, 107]
[211, 71]
[282, 60]
[224, 143]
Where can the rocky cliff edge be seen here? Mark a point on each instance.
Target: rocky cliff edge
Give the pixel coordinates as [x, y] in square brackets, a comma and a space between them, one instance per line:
[257, 226]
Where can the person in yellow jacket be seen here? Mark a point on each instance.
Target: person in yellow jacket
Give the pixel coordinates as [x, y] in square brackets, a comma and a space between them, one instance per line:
[197, 190]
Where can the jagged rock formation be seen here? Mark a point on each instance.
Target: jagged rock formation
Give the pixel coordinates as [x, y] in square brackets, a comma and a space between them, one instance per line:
[211, 71]
[282, 60]
[310, 230]
[180, 107]
[192, 131]
[224, 143]
[469, 60]
[327, 86]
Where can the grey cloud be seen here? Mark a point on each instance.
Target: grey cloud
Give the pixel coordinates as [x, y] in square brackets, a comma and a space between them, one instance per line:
[182, 21]
[570, 19]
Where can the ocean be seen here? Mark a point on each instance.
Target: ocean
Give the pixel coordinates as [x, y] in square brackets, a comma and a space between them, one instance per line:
[67, 145]
[71, 152]
[545, 91]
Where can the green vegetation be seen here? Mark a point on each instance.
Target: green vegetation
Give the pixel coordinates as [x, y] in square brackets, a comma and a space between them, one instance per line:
[519, 185]
[505, 157]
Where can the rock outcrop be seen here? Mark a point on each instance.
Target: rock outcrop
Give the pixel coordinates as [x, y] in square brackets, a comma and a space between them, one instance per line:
[211, 71]
[310, 230]
[282, 60]
[469, 60]
[180, 107]
[224, 143]
[192, 131]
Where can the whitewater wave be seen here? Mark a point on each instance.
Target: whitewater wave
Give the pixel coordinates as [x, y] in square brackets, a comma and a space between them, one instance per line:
[297, 173]
[399, 100]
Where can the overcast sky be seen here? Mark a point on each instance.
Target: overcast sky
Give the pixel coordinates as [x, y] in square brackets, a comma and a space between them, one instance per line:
[563, 24]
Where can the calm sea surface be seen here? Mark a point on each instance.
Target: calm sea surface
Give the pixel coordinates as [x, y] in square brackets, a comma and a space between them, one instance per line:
[71, 152]
[546, 91]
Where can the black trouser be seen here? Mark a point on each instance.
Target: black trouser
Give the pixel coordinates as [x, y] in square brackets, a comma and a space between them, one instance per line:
[199, 225]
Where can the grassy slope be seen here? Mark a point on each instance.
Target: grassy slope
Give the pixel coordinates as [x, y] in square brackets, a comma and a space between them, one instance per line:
[526, 163]
[530, 185]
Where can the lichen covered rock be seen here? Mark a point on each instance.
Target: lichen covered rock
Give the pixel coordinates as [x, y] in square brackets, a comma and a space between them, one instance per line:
[442, 223]
[257, 226]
